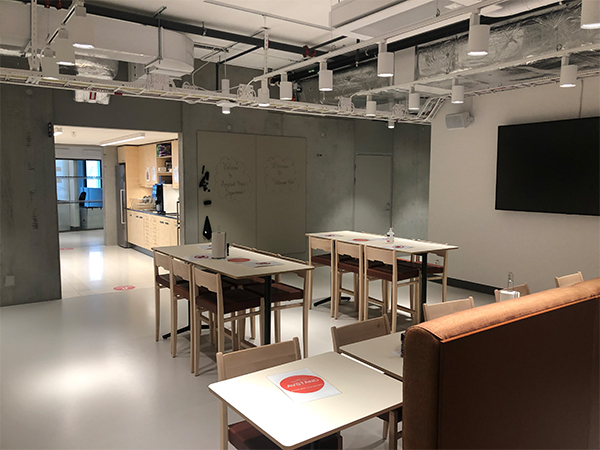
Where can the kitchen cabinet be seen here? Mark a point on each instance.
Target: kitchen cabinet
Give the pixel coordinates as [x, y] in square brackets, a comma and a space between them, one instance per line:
[147, 157]
[148, 230]
[135, 228]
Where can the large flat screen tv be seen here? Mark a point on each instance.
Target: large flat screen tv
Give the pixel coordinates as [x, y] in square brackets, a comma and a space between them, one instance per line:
[549, 167]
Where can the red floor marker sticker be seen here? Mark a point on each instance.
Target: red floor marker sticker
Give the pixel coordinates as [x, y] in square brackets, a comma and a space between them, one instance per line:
[124, 288]
[303, 384]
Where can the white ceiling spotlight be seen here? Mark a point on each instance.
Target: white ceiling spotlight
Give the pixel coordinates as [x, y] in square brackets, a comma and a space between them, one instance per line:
[57, 131]
[226, 106]
[263, 94]
[120, 140]
[479, 37]
[285, 88]
[385, 61]
[414, 100]
[371, 107]
[49, 66]
[568, 73]
[63, 47]
[325, 77]
[391, 123]
[225, 85]
[458, 92]
[590, 14]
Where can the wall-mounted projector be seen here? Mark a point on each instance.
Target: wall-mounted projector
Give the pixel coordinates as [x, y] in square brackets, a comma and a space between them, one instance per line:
[458, 121]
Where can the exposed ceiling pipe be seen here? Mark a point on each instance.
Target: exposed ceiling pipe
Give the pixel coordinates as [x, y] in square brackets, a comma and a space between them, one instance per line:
[455, 15]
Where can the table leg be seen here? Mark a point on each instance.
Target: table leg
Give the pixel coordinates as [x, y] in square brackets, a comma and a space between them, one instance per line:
[266, 337]
[423, 297]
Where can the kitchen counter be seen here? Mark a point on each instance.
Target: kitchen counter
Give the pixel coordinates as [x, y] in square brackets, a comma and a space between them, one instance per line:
[153, 212]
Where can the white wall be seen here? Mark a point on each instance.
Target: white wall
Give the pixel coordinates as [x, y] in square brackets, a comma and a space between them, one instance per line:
[535, 246]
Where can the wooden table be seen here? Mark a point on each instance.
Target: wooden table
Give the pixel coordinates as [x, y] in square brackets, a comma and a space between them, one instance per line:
[364, 394]
[196, 254]
[401, 245]
[382, 352]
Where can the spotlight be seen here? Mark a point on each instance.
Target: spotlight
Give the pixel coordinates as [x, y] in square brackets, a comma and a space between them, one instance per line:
[325, 77]
[371, 107]
[458, 92]
[385, 61]
[263, 94]
[225, 86]
[391, 123]
[285, 88]
[590, 14]
[225, 109]
[568, 73]
[49, 66]
[414, 100]
[479, 37]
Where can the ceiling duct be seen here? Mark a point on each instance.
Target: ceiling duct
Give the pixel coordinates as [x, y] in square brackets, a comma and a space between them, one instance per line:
[103, 69]
[113, 39]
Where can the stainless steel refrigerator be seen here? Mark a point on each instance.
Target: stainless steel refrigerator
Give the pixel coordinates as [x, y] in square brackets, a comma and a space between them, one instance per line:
[121, 207]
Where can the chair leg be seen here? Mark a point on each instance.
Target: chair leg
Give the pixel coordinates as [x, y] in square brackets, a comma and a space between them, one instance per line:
[224, 426]
[355, 295]
[253, 327]
[193, 332]
[305, 307]
[173, 324]
[386, 426]
[277, 322]
[220, 333]
[196, 338]
[234, 332]
[393, 430]
[156, 311]
[394, 307]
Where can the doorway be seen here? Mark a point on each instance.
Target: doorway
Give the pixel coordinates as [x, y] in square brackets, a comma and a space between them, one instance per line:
[373, 193]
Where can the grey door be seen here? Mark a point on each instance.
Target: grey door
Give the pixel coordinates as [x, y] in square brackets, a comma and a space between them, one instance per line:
[373, 193]
[121, 207]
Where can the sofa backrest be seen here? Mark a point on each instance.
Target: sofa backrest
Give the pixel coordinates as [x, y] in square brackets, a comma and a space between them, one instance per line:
[517, 374]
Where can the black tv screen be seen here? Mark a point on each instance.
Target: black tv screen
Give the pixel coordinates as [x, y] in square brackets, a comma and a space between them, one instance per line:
[549, 167]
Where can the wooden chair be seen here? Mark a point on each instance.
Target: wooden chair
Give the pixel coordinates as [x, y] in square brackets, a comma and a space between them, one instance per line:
[522, 289]
[327, 259]
[382, 264]
[349, 259]
[242, 435]
[283, 296]
[180, 270]
[569, 280]
[434, 271]
[227, 305]
[361, 331]
[161, 281]
[435, 310]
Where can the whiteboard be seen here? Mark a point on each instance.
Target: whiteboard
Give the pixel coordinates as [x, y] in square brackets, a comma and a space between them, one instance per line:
[281, 194]
[257, 189]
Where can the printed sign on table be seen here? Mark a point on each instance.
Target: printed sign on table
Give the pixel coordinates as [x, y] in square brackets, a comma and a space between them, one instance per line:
[303, 385]
[257, 264]
[398, 247]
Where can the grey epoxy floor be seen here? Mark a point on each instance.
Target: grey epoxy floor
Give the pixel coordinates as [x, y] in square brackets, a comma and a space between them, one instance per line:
[85, 372]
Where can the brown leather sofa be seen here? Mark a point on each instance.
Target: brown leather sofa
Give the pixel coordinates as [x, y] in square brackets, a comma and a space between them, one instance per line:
[517, 374]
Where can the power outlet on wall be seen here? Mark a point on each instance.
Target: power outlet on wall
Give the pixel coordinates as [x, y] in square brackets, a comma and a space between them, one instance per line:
[9, 281]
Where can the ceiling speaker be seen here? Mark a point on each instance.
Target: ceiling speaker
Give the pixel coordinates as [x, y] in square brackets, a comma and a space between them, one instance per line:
[456, 121]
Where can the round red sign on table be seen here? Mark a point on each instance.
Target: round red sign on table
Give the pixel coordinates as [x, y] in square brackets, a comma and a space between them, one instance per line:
[238, 259]
[360, 240]
[302, 384]
[201, 257]
[124, 288]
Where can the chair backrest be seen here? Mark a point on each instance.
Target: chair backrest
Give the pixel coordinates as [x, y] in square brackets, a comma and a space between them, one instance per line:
[181, 269]
[383, 255]
[360, 331]
[522, 289]
[317, 243]
[208, 280]
[235, 364]
[568, 280]
[162, 260]
[352, 250]
[436, 310]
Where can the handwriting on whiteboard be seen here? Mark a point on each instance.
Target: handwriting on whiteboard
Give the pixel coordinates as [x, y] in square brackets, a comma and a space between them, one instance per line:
[281, 176]
[231, 180]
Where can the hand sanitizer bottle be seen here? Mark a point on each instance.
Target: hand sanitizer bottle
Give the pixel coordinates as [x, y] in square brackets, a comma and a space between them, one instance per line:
[390, 235]
[510, 285]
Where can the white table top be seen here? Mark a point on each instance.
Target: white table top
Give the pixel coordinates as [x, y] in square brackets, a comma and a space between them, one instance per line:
[402, 245]
[365, 393]
[382, 352]
[233, 265]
